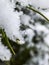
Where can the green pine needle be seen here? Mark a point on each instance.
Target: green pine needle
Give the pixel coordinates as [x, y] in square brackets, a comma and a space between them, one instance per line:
[7, 41]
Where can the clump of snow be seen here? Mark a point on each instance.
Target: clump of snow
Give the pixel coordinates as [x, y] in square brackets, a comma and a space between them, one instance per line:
[24, 2]
[41, 28]
[40, 3]
[46, 39]
[25, 19]
[5, 53]
[10, 21]
[30, 33]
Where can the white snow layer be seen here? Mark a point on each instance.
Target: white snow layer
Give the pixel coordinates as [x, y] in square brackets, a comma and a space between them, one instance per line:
[5, 53]
[10, 21]
[35, 3]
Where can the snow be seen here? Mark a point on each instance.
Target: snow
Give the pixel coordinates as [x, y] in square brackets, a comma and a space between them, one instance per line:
[24, 2]
[10, 21]
[46, 39]
[5, 53]
[43, 4]
[25, 19]
[41, 28]
[30, 34]
[46, 14]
